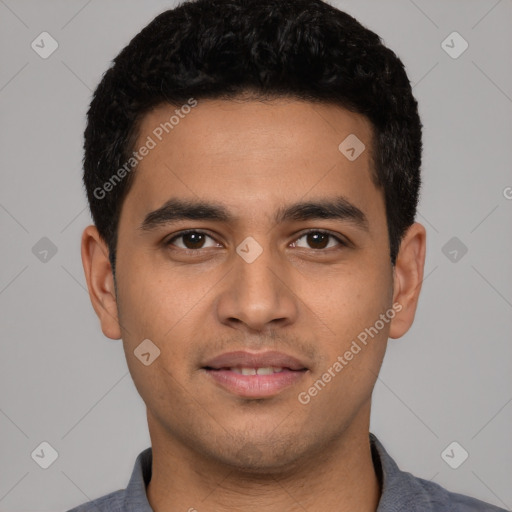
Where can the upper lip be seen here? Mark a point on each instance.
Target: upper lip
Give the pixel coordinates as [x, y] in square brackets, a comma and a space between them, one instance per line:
[244, 359]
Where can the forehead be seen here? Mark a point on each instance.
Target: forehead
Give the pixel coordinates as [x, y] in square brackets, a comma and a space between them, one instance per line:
[250, 153]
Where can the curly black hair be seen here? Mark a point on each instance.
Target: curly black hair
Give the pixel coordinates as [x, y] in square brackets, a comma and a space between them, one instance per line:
[226, 49]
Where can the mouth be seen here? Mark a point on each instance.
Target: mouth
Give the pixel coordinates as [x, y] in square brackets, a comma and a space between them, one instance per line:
[255, 375]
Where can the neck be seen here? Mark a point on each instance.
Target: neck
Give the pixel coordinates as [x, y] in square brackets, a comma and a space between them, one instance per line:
[341, 477]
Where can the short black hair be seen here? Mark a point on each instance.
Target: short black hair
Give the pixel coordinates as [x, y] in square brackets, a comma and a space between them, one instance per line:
[264, 49]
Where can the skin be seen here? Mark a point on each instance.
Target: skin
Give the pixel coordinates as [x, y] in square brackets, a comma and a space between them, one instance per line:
[297, 297]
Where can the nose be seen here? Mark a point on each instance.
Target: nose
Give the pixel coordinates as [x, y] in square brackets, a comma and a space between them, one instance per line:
[257, 295]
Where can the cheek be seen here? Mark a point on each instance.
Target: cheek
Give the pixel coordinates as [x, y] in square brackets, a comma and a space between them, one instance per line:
[170, 308]
[351, 357]
[351, 299]
[355, 346]
[155, 297]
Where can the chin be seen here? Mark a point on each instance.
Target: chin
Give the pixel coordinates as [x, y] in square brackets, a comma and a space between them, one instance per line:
[267, 457]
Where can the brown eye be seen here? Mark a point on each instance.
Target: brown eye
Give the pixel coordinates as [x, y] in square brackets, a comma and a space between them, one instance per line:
[319, 240]
[191, 240]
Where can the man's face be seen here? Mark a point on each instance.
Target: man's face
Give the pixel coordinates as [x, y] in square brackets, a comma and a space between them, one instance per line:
[211, 292]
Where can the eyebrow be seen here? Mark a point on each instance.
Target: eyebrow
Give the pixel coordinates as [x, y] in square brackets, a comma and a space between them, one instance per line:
[173, 210]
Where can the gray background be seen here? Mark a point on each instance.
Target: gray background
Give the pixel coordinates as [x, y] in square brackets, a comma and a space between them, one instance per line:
[61, 381]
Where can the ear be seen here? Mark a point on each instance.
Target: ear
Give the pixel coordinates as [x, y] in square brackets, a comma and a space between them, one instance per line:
[100, 281]
[407, 278]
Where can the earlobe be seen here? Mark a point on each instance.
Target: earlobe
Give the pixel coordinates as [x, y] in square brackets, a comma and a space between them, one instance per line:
[408, 277]
[100, 281]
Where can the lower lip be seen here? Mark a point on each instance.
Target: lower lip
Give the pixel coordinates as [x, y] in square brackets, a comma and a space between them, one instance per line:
[255, 386]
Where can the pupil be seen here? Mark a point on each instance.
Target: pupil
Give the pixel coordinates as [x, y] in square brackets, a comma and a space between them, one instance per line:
[193, 240]
[313, 238]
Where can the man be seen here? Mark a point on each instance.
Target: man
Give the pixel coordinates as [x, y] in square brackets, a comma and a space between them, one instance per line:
[253, 171]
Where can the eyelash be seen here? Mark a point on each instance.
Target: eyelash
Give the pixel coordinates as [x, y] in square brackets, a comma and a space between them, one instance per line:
[340, 241]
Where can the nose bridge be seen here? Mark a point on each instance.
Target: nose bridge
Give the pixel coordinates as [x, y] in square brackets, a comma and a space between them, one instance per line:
[257, 294]
[258, 278]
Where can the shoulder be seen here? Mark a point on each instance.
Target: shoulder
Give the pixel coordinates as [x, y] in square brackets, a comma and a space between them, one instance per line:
[404, 492]
[133, 497]
[442, 500]
[112, 502]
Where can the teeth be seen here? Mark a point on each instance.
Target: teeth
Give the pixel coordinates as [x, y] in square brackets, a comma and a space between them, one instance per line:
[269, 370]
[265, 371]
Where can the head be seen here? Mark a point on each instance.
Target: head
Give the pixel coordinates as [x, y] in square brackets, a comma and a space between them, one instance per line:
[280, 129]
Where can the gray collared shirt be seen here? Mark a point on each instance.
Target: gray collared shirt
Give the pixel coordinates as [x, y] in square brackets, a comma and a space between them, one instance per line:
[401, 491]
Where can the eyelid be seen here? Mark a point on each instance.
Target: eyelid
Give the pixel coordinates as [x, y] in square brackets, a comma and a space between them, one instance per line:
[186, 232]
[340, 239]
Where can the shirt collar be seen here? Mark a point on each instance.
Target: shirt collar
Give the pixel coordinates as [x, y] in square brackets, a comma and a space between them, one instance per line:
[400, 491]
[135, 499]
